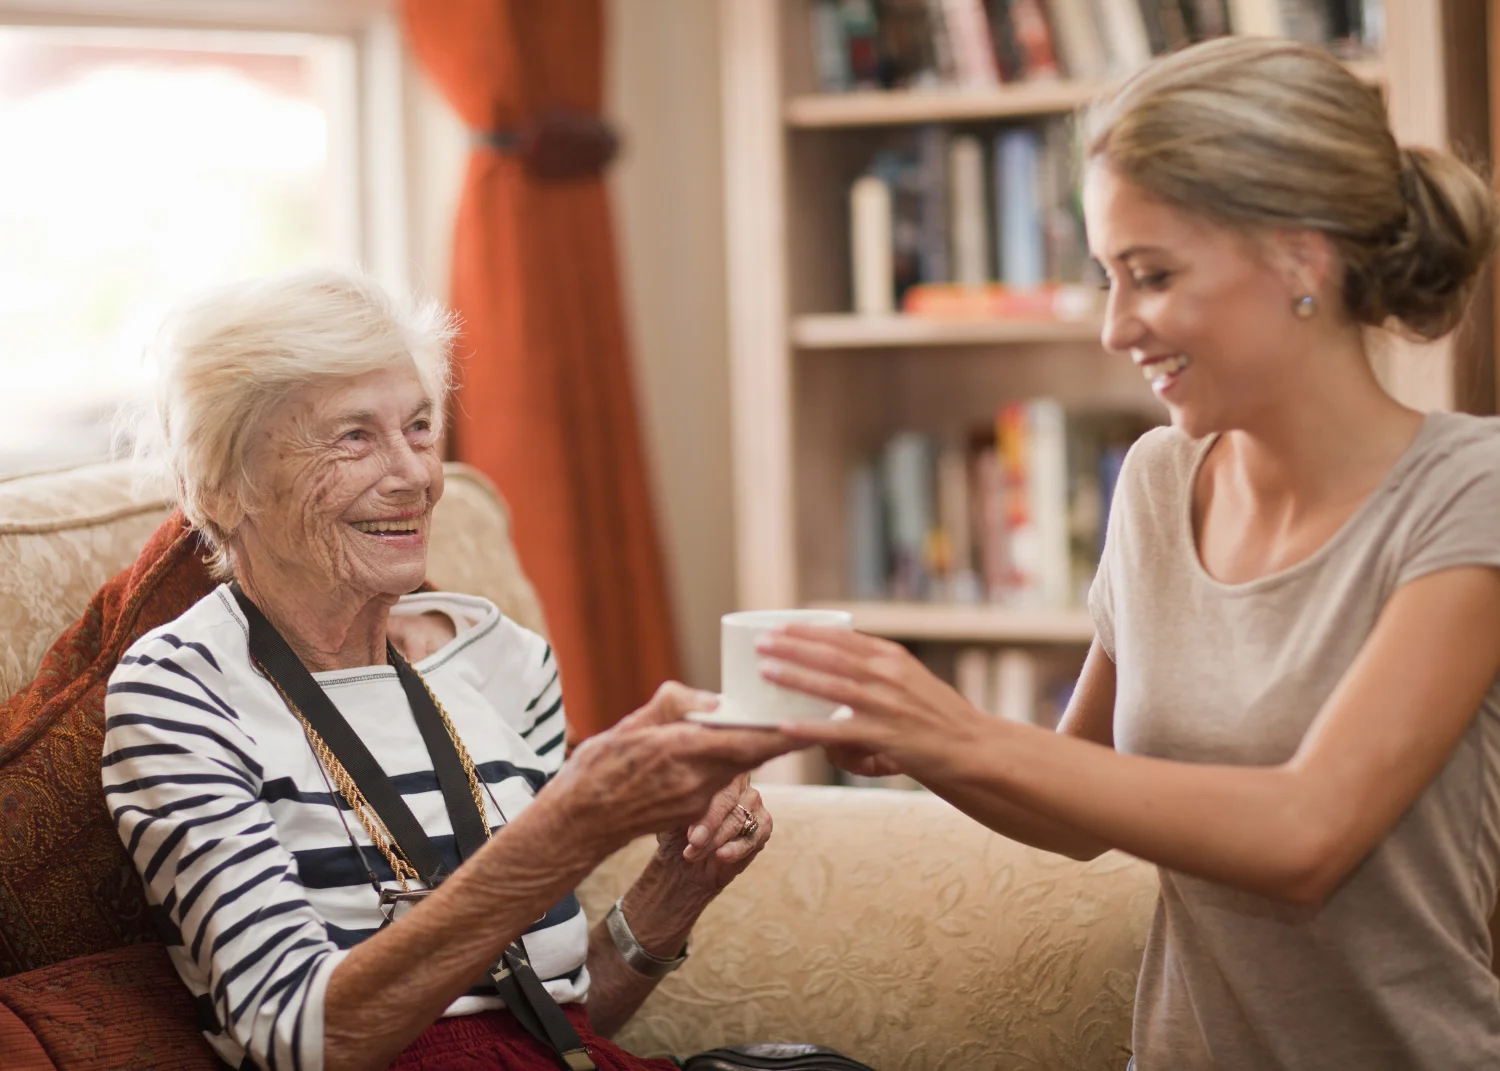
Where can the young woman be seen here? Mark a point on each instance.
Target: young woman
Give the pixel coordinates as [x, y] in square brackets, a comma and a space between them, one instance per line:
[1291, 704]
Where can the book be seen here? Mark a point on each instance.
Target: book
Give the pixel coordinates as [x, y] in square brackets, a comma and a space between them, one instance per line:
[1033, 36]
[902, 174]
[1064, 247]
[1049, 569]
[955, 564]
[990, 522]
[908, 481]
[1020, 256]
[968, 224]
[1124, 31]
[1078, 42]
[944, 61]
[934, 265]
[830, 53]
[871, 246]
[1014, 685]
[1013, 514]
[969, 38]
[1206, 18]
[996, 301]
[906, 46]
[971, 677]
[865, 533]
[1009, 57]
[860, 32]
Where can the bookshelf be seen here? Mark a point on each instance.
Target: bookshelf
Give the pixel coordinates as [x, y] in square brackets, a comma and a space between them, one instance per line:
[1023, 100]
[815, 387]
[968, 624]
[838, 331]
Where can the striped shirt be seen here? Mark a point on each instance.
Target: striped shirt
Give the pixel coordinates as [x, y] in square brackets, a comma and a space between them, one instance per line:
[244, 850]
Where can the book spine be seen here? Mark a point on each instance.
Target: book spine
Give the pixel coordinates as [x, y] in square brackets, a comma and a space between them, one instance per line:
[871, 244]
[1033, 36]
[961, 581]
[1156, 30]
[969, 231]
[830, 51]
[909, 494]
[933, 243]
[1048, 486]
[1210, 18]
[1126, 31]
[1014, 685]
[861, 33]
[943, 58]
[865, 545]
[992, 526]
[971, 677]
[1077, 38]
[969, 37]
[1022, 254]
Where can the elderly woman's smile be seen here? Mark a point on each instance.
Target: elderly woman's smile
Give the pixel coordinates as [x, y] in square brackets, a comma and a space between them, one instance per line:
[350, 472]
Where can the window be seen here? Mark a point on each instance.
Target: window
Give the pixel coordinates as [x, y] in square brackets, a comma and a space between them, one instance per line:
[142, 164]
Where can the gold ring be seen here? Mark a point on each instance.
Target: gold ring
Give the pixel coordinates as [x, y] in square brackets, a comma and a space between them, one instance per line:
[751, 824]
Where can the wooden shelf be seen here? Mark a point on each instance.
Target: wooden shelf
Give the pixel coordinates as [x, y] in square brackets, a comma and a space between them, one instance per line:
[1021, 100]
[842, 331]
[978, 624]
[879, 107]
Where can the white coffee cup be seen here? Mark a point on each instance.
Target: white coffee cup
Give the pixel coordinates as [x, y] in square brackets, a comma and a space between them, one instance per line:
[747, 698]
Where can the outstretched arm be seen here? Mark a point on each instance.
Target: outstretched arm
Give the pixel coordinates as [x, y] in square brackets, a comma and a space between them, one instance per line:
[1292, 831]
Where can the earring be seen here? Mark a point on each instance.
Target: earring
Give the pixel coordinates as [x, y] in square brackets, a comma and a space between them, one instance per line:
[1305, 307]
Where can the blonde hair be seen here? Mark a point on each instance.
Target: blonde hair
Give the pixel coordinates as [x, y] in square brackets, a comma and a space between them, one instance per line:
[1258, 132]
[230, 357]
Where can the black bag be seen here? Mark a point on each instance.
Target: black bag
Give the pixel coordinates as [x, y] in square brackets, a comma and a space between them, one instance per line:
[771, 1056]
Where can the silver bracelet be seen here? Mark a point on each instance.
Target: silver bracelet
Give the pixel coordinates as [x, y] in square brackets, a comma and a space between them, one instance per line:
[639, 960]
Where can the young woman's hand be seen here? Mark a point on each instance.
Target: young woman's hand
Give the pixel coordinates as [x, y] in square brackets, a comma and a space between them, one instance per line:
[901, 711]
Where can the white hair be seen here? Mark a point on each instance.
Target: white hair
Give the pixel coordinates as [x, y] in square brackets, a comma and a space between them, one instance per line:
[227, 359]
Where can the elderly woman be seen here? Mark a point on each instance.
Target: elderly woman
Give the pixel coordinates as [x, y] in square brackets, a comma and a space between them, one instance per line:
[291, 787]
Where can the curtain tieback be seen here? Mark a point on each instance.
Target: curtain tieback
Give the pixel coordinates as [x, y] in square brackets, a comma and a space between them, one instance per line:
[558, 145]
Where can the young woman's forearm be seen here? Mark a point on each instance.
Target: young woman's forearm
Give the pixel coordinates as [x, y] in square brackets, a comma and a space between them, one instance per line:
[1247, 827]
[987, 807]
[391, 986]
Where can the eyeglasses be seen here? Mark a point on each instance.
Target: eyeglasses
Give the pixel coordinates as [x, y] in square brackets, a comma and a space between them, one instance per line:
[391, 898]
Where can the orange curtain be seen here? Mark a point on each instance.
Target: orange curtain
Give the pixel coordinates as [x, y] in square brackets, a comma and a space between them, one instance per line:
[545, 404]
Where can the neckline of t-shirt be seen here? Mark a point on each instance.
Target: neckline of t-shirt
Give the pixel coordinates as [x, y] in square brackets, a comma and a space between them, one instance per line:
[355, 674]
[1313, 560]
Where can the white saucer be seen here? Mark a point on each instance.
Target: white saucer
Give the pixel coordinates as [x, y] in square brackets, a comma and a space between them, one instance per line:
[728, 718]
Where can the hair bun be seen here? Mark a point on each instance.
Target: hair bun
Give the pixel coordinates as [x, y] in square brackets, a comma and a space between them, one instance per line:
[1425, 275]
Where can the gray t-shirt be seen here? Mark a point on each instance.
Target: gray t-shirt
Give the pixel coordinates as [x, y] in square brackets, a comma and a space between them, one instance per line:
[1392, 972]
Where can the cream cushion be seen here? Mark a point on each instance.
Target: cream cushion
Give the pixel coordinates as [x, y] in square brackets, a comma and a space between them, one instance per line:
[886, 924]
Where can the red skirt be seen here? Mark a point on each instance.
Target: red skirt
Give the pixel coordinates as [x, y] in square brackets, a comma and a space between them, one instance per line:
[495, 1041]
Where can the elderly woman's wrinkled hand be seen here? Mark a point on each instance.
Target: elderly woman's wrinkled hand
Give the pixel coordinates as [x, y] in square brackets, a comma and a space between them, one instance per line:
[718, 847]
[656, 773]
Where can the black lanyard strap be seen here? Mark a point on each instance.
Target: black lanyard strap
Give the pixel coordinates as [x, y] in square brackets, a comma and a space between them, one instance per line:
[512, 974]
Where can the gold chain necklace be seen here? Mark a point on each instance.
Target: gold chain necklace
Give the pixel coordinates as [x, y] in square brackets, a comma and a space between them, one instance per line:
[374, 827]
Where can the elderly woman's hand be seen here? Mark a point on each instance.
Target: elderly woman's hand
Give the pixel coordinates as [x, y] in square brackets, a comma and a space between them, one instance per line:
[718, 847]
[656, 773]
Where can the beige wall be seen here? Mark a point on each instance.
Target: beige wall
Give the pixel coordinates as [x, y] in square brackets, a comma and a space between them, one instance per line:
[667, 188]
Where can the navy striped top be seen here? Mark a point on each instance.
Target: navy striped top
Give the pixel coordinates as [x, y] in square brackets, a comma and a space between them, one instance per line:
[245, 852]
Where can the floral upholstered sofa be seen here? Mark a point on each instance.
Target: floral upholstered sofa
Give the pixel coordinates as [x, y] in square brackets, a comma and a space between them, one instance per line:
[883, 923]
